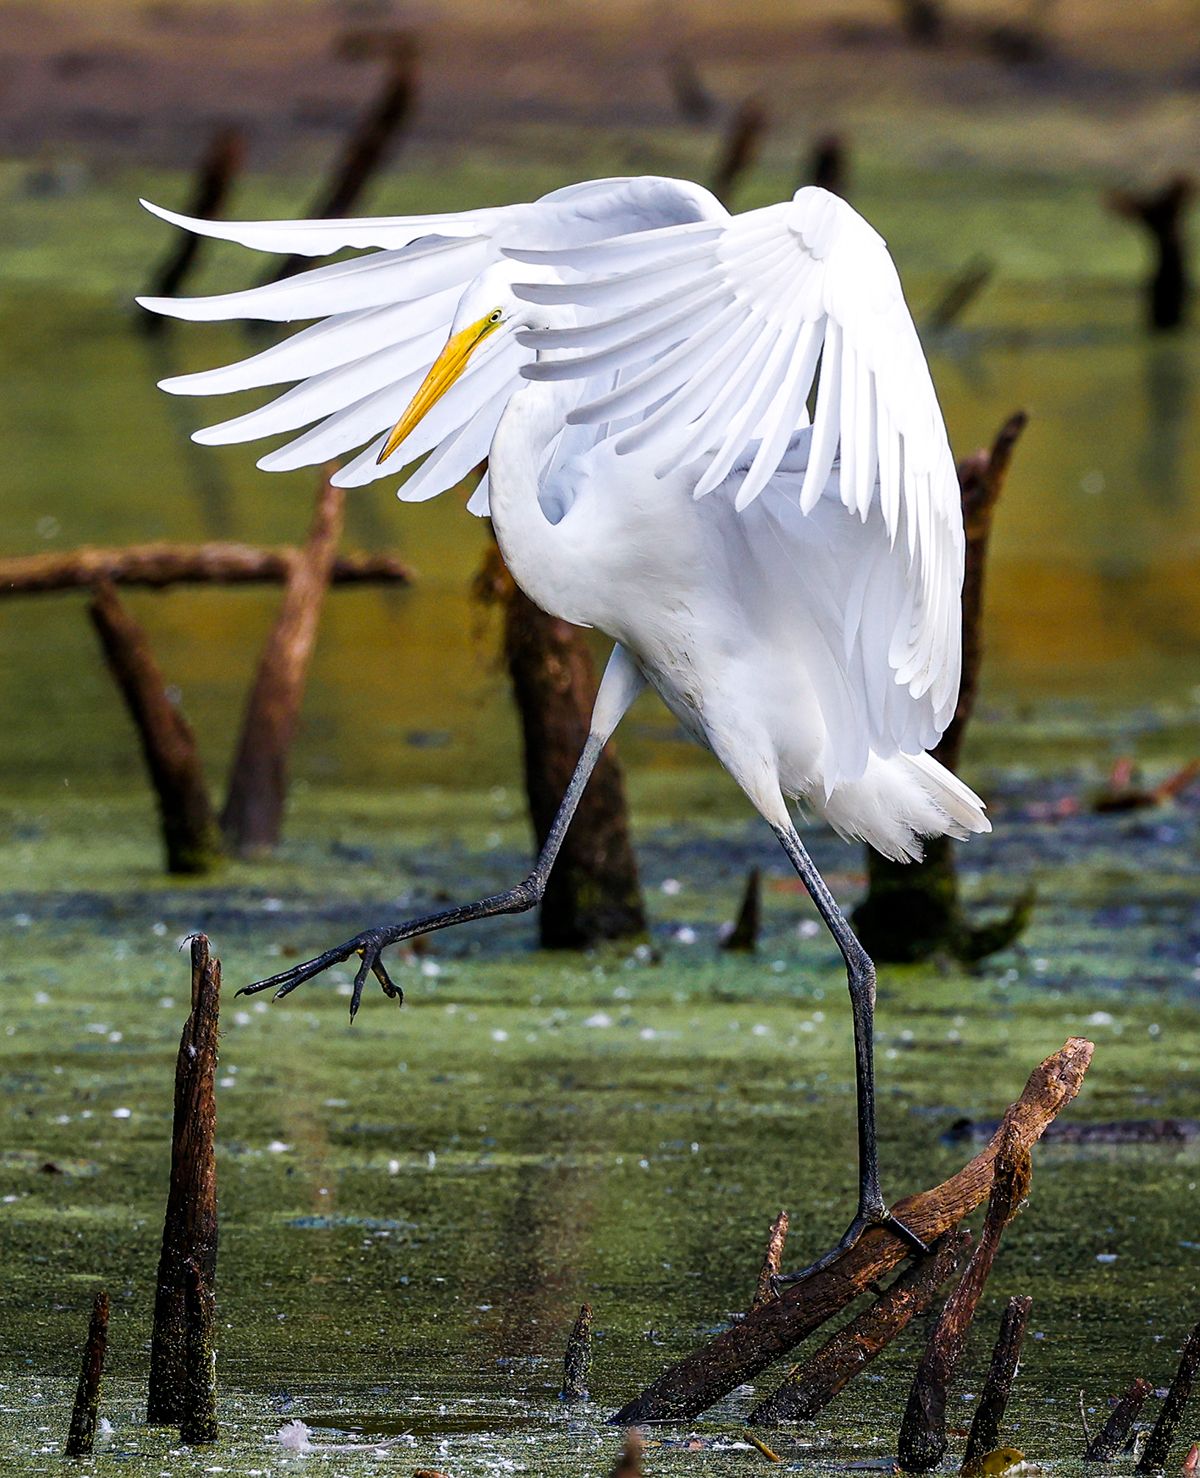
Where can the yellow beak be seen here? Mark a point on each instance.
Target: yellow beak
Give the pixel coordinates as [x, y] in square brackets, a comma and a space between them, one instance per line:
[446, 369]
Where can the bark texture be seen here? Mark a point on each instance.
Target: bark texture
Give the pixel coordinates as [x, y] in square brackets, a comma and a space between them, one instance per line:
[81, 1438]
[984, 1436]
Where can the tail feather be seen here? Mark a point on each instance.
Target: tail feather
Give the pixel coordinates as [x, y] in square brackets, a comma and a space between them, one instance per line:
[898, 801]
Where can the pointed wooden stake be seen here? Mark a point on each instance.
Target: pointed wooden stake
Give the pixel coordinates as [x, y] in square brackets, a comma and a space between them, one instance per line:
[81, 1438]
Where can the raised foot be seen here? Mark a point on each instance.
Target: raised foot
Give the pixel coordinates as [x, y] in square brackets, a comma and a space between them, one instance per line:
[368, 945]
[872, 1216]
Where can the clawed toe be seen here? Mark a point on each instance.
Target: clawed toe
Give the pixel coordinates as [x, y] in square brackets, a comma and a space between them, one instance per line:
[368, 946]
[871, 1217]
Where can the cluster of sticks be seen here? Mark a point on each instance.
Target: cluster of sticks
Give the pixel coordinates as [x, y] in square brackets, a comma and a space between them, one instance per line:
[194, 836]
[1001, 1173]
[182, 1385]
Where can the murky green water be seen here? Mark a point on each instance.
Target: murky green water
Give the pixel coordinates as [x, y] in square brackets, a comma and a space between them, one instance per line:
[414, 1208]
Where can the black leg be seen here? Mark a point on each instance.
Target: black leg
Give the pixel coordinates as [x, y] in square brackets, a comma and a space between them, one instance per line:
[369, 944]
[860, 975]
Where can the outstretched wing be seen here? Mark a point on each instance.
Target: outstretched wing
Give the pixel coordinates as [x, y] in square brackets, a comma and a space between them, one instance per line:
[713, 342]
[386, 315]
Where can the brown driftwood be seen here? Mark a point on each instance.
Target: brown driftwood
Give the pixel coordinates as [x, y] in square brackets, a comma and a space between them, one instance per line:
[578, 1358]
[1162, 1434]
[218, 169]
[764, 1291]
[190, 1225]
[1111, 1438]
[156, 566]
[923, 1438]
[258, 780]
[810, 1387]
[740, 1353]
[739, 148]
[367, 147]
[984, 1436]
[189, 827]
[198, 1424]
[912, 910]
[743, 937]
[1162, 213]
[82, 1435]
[593, 891]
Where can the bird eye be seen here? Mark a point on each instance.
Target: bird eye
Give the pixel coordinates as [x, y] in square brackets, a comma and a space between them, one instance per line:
[496, 316]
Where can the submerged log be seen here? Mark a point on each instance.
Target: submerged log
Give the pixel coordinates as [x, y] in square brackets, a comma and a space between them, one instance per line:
[593, 893]
[1111, 1438]
[923, 1438]
[912, 910]
[190, 1226]
[1162, 1434]
[984, 1435]
[810, 1387]
[81, 1439]
[217, 171]
[258, 782]
[739, 149]
[157, 566]
[741, 1352]
[368, 146]
[189, 826]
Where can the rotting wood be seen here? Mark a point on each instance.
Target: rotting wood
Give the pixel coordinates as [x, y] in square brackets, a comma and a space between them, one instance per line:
[189, 827]
[812, 1386]
[190, 1225]
[367, 148]
[629, 1464]
[593, 893]
[157, 566]
[923, 1438]
[984, 1435]
[578, 1358]
[743, 937]
[252, 817]
[1162, 1434]
[741, 1352]
[81, 1438]
[220, 166]
[764, 1291]
[198, 1425]
[1113, 1435]
[739, 148]
[912, 910]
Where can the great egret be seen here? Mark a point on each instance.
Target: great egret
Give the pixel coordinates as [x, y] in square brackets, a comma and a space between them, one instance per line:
[637, 365]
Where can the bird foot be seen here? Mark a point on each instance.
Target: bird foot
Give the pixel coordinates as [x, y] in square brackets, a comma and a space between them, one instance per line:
[867, 1216]
[367, 945]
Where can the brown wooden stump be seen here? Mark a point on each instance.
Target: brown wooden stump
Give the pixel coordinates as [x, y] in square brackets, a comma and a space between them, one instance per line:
[1162, 214]
[1111, 1438]
[743, 937]
[923, 1437]
[764, 1290]
[912, 911]
[198, 1424]
[739, 148]
[216, 173]
[81, 1438]
[593, 892]
[190, 1225]
[984, 1436]
[1162, 1434]
[578, 1358]
[189, 828]
[368, 146]
[741, 1352]
[258, 782]
[810, 1387]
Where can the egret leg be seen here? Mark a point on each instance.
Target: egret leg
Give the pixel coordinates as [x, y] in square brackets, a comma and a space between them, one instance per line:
[860, 975]
[620, 685]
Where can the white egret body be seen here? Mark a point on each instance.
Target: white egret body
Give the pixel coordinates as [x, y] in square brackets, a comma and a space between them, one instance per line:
[714, 438]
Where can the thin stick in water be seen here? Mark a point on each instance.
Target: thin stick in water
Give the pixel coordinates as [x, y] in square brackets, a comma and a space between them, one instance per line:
[578, 1358]
[984, 1436]
[1113, 1435]
[1162, 1434]
[772, 1260]
[82, 1435]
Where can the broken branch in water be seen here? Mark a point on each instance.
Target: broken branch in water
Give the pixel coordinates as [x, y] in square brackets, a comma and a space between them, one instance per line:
[772, 1261]
[1158, 1444]
[82, 1436]
[741, 1352]
[812, 1386]
[578, 1358]
[923, 1438]
[985, 1428]
[743, 937]
[1112, 1436]
[198, 1425]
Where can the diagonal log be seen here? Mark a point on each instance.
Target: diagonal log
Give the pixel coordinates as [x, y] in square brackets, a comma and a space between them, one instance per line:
[156, 566]
[740, 1353]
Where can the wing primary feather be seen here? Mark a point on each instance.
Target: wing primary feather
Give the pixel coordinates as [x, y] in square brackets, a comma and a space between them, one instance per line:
[784, 415]
[664, 336]
[596, 294]
[826, 419]
[632, 249]
[707, 428]
[672, 308]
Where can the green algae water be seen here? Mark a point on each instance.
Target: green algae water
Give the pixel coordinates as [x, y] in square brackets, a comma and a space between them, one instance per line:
[413, 1208]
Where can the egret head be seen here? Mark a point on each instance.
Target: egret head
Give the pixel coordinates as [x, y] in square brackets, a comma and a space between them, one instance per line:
[488, 314]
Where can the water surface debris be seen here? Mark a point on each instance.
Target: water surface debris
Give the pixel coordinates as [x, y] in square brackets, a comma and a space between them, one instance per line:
[997, 1387]
[1192, 1461]
[1002, 1462]
[198, 1426]
[1111, 1438]
[1162, 1434]
[771, 1457]
[190, 1224]
[629, 1464]
[81, 1437]
[923, 1436]
[772, 1261]
[742, 1351]
[811, 1386]
[578, 1358]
